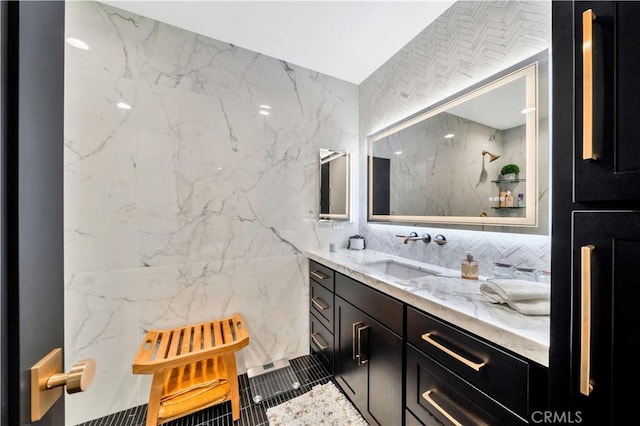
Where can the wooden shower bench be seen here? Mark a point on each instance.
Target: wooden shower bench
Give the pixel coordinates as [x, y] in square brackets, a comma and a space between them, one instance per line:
[193, 367]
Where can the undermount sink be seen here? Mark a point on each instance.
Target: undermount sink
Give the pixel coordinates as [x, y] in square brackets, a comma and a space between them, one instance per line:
[399, 270]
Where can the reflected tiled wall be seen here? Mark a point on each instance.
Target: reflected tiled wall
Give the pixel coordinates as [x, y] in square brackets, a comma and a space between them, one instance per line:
[468, 43]
[191, 205]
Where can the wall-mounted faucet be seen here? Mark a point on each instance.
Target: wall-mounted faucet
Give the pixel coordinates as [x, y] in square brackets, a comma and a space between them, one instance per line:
[414, 237]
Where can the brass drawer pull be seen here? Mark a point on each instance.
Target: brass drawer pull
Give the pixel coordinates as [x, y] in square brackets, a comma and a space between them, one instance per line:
[476, 366]
[588, 152]
[318, 303]
[317, 342]
[362, 357]
[585, 319]
[354, 349]
[318, 275]
[427, 397]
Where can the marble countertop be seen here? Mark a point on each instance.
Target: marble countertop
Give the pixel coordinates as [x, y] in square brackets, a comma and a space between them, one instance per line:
[449, 297]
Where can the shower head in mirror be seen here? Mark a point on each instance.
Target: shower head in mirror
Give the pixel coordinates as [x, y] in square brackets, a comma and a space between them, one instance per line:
[492, 157]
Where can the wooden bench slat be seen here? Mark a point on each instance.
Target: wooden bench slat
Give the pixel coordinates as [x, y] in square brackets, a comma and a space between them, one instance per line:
[207, 335]
[226, 330]
[186, 341]
[197, 338]
[219, 340]
[175, 341]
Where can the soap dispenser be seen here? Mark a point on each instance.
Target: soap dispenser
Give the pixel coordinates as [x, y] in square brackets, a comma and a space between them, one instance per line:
[469, 268]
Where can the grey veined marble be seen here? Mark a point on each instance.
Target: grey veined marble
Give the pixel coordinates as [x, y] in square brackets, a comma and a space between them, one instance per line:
[191, 205]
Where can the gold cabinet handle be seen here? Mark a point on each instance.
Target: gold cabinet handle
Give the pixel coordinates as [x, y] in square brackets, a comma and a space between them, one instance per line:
[427, 397]
[362, 358]
[476, 366]
[354, 349]
[317, 342]
[318, 303]
[587, 85]
[585, 319]
[318, 275]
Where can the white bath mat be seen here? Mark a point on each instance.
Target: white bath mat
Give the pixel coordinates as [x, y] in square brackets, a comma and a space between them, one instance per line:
[322, 405]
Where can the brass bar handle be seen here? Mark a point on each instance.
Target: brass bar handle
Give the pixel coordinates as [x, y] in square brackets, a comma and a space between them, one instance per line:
[585, 319]
[317, 342]
[362, 358]
[318, 275]
[319, 303]
[587, 85]
[427, 397]
[476, 366]
[354, 352]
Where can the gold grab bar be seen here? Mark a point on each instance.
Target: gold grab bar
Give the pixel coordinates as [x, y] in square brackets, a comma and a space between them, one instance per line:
[318, 275]
[317, 342]
[476, 366]
[354, 353]
[361, 359]
[427, 397]
[319, 303]
[585, 319]
[587, 85]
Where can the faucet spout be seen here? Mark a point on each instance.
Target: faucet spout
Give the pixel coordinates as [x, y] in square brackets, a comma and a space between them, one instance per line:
[414, 237]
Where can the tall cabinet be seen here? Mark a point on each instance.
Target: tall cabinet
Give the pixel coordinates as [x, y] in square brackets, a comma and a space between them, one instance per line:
[596, 211]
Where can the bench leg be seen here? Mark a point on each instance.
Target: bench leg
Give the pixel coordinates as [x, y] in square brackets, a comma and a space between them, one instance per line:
[155, 394]
[230, 365]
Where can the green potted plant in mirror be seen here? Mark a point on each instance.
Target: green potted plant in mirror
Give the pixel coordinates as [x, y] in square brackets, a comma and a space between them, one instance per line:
[509, 172]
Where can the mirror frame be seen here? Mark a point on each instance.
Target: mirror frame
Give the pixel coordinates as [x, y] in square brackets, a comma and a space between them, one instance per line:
[336, 216]
[527, 69]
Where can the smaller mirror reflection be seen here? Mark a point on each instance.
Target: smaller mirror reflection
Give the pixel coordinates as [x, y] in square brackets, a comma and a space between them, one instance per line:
[334, 185]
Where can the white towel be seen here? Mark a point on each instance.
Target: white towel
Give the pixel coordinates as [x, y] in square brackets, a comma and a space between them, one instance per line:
[526, 297]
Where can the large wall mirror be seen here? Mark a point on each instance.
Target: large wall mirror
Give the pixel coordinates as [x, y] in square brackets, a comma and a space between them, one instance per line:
[446, 164]
[334, 185]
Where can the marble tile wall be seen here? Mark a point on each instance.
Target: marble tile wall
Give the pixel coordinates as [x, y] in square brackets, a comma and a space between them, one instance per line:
[469, 42]
[191, 205]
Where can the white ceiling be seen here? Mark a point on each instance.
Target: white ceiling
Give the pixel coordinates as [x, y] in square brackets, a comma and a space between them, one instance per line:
[344, 39]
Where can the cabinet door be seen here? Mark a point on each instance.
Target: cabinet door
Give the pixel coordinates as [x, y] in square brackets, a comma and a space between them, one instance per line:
[606, 247]
[607, 102]
[368, 364]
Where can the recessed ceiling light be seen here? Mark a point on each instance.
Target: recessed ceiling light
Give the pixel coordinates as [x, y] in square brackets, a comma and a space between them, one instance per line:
[449, 135]
[265, 113]
[78, 43]
[265, 106]
[398, 152]
[219, 168]
[122, 105]
[529, 109]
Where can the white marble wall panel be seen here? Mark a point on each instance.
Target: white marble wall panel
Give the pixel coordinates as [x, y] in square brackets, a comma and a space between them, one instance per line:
[100, 314]
[191, 205]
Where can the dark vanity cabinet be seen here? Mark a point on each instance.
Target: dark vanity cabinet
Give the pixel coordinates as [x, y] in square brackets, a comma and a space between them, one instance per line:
[453, 376]
[369, 351]
[321, 307]
[596, 210]
[402, 366]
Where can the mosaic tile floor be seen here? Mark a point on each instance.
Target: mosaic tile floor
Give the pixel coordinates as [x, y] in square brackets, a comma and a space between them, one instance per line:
[308, 369]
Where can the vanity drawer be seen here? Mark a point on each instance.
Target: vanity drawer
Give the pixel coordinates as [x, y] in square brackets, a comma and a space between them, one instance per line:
[376, 304]
[501, 375]
[321, 274]
[321, 303]
[435, 392]
[321, 342]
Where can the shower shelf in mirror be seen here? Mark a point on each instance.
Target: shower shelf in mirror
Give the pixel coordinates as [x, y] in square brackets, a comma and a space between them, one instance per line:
[509, 181]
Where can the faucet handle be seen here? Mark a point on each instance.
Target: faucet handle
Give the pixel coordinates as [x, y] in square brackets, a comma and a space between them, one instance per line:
[440, 240]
